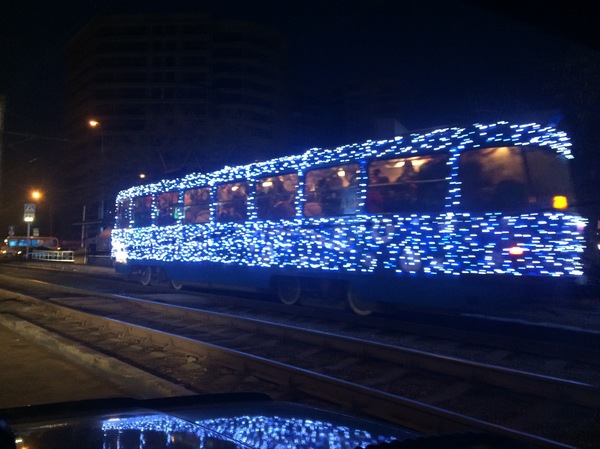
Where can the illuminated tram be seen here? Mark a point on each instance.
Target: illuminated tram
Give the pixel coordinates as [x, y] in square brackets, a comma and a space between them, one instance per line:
[424, 219]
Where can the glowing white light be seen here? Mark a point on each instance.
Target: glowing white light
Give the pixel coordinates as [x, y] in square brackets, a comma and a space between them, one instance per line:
[448, 242]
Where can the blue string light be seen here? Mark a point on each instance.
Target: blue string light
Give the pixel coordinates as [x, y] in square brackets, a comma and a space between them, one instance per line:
[258, 431]
[451, 242]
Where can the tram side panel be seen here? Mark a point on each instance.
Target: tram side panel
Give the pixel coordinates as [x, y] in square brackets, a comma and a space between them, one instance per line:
[395, 258]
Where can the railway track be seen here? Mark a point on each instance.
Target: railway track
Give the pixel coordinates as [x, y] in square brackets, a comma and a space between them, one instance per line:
[429, 392]
[534, 335]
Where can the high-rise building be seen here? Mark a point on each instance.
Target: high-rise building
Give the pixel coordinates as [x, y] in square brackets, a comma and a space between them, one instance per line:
[169, 94]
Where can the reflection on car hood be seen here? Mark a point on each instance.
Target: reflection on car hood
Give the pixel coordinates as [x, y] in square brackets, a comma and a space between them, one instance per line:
[213, 421]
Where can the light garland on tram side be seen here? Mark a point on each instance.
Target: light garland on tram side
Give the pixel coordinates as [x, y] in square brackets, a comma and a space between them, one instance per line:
[452, 242]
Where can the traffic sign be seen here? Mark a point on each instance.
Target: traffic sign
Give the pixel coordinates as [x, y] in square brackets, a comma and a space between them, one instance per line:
[29, 214]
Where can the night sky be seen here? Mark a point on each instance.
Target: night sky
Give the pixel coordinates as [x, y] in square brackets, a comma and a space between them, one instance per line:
[458, 61]
[449, 53]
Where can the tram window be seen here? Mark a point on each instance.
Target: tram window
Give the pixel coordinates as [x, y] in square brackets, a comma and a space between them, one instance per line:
[493, 179]
[415, 184]
[548, 175]
[196, 205]
[124, 214]
[276, 197]
[142, 211]
[331, 191]
[168, 208]
[232, 202]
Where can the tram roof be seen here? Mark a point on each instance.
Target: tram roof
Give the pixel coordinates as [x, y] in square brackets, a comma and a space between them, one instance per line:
[410, 144]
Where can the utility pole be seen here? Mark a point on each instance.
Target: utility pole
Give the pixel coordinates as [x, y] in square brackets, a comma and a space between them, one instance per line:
[2, 101]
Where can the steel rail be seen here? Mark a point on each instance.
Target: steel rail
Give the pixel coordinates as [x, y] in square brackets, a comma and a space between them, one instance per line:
[517, 380]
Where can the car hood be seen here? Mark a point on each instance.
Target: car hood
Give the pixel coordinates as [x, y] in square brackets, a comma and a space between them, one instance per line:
[245, 420]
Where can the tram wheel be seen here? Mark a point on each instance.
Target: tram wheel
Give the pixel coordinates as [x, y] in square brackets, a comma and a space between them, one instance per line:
[176, 285]
[146, 276]
[358, 305]
[288, 290]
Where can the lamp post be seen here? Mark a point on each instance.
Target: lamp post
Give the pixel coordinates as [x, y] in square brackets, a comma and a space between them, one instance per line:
[29, 216]
[96, 124]
[93, 123]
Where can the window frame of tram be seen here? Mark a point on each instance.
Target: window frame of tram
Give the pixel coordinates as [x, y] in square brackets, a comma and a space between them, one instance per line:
[275, 197]
[512, 179]
[331, 191]
[196, 205]
[142, 211]
[124, 214]
[407, 184]
[549, 177]
[168, 208]
[231, 203]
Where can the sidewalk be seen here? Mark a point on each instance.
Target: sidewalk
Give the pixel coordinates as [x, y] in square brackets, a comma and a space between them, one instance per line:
[34, 374]
[39, 367]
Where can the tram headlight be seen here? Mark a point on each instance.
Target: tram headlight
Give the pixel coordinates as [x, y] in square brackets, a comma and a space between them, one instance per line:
[119, 253]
